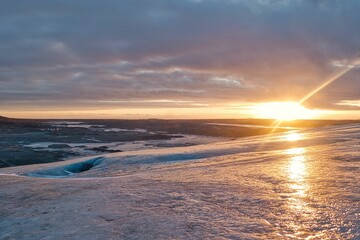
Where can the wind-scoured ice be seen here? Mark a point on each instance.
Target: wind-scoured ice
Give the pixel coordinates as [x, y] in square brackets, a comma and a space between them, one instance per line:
[294, 185]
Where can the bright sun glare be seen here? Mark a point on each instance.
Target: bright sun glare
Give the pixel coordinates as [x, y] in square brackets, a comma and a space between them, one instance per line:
[284, 111]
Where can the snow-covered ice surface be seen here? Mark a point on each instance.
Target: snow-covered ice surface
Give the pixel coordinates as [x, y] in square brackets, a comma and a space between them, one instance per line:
[295, 185]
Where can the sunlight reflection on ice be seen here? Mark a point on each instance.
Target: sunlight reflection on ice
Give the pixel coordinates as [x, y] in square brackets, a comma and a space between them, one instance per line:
[297, 169]
[293, 136]
[297, 172]
[295, 151]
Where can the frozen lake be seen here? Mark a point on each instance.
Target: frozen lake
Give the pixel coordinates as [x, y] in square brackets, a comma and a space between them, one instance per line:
[293, 185]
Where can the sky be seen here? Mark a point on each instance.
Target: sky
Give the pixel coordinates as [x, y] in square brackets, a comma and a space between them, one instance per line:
[176, 58]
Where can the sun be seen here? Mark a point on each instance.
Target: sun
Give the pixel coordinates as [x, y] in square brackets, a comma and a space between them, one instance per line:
[284, 111]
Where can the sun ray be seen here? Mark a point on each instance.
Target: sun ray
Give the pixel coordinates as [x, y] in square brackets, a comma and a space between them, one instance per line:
[336, 75]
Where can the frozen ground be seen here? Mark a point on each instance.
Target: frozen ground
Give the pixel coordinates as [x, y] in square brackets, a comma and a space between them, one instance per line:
[33, 142]
[85, 149]
[295, 185]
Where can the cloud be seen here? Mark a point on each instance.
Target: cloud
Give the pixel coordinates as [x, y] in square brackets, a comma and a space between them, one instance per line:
[205, 52]
[347, 63]
[349, 103]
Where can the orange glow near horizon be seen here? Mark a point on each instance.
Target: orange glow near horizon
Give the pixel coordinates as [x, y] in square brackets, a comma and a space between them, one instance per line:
[280, 111]
[284, 111]
[227, 111]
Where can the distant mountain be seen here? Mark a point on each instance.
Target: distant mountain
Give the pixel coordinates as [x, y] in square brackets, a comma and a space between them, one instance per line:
[5, 120]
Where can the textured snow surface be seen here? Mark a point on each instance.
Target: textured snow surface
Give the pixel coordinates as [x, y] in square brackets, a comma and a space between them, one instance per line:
[295, 185]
